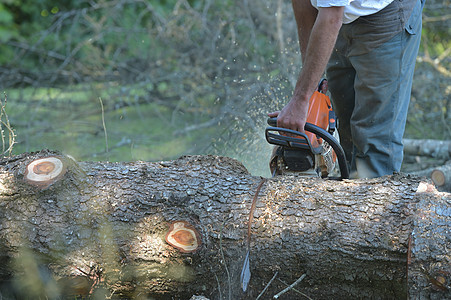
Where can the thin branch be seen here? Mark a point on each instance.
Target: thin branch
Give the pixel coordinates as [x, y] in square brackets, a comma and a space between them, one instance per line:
[436, 63]
[295, 290]
[443, 18]
[11, 134]
[444, 55]
[1, 129]
[104, 127]
[289, 287]
[444, 71]
[266, 287]
[219, 286]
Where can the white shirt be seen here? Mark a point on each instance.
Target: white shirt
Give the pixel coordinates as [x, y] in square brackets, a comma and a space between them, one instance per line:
[354, 8]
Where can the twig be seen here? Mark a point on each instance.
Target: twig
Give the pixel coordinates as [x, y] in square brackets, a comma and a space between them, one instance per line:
[289, 287]
[295, 290]
[104, 127]
[245, 272]
[11, 134]
[266, 287]
[444, 18]
[436, 63]
[219, 286]
[1, 129]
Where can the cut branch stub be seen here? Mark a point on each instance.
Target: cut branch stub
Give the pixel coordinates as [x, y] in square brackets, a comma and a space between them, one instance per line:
[43, 172]
[183, 236]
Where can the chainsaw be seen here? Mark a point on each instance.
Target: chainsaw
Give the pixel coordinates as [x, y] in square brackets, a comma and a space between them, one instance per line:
[317, 152]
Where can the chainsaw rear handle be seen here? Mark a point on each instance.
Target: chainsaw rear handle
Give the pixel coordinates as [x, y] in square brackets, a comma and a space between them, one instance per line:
[304, 143]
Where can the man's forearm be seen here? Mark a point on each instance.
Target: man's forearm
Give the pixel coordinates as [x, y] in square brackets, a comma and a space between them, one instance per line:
[319, 48]
[317, 39]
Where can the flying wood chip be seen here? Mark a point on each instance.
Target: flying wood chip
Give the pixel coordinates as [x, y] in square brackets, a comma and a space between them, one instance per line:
[183, 236]
[44, 171]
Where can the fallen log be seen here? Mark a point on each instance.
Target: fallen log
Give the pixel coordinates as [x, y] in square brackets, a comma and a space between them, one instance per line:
[89, 228]
[426, 147]
[440, 176]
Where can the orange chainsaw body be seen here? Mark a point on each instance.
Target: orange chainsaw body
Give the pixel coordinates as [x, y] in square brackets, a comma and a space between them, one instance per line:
[318, 114]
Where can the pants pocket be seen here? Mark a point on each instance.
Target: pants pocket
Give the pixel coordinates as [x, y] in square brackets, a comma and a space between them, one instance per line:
[413, 25]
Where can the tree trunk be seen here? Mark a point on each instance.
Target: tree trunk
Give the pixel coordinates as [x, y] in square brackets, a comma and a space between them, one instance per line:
[100, 228]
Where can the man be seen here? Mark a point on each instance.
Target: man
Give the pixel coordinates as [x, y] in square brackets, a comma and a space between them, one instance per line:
[369, 48]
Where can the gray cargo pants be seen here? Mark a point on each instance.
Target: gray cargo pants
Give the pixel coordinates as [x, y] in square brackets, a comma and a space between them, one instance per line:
[370, 79]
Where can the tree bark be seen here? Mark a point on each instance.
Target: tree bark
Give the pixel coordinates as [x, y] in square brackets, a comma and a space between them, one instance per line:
[100, 229]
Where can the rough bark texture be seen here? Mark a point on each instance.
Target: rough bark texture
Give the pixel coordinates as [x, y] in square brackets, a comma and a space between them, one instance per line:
[429, 271]
[101, 229]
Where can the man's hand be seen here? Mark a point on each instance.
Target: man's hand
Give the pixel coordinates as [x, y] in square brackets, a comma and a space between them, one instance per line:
[293, 116]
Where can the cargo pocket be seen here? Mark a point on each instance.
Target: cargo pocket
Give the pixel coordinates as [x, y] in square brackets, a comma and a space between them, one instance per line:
[413, 25]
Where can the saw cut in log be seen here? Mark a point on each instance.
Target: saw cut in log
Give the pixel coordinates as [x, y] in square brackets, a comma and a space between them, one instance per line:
[102, 229]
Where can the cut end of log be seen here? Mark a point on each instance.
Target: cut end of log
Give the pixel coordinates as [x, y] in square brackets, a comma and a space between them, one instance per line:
[183, 236]
[44, 171]
[438, 177]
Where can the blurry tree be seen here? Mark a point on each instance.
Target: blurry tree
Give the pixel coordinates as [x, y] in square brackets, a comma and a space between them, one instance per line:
[430, 108]
[203, 65]
[436, 46]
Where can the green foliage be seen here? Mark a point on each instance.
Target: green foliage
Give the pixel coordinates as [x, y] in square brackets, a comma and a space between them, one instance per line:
[196, 66]
[25, 21]
[7, 28]
[165, 7]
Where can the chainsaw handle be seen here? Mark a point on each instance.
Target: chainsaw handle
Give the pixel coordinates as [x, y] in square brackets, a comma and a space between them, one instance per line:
[289, 138]
[344, 171]
[272, 122]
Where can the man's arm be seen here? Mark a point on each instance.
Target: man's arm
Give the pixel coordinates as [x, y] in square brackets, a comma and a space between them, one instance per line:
[305, 16]
[317, 41]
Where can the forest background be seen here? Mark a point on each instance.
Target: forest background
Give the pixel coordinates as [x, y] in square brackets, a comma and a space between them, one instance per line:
[151, 80]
